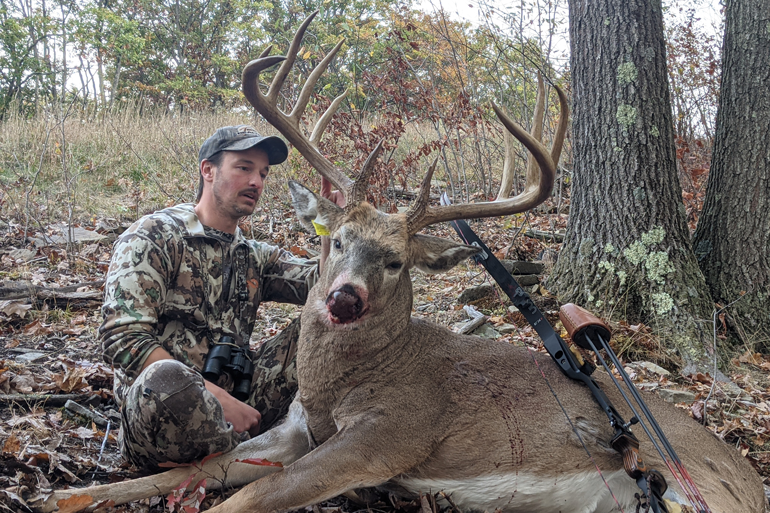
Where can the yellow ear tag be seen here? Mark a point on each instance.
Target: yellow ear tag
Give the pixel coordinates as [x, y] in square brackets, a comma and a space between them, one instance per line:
[320, 229]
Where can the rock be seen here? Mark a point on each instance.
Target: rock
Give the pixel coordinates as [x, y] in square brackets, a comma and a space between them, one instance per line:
[426, 308]
[512, 309]
[475, 293]
[655, 369]
[77, 409]
[677, 396]
[79, 234]
[24, 255]
[486, 331]
[506, 328]
[527, 280]
[30, 357]
[523, 267]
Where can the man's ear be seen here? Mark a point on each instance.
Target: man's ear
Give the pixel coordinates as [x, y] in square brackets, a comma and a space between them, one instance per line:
[317, 214]
[207, 170]
[434, 255]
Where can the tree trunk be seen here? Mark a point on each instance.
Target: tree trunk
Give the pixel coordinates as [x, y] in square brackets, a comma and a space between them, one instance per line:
[732, 241]
[627, 250]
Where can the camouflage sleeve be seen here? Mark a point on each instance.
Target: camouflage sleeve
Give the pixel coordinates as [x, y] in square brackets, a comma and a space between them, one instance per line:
[286, 278]
[135, 291]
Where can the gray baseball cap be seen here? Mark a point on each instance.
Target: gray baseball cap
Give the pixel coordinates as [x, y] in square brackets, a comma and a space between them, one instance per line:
[239, 138]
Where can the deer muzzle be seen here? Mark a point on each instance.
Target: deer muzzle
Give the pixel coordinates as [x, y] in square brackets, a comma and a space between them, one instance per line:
[344, 304]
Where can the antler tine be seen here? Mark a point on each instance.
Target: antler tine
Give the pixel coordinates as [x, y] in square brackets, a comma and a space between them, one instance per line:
[537, 128]
[357, 192]
[291, 56]
[265, 52]
[307, 89]
[324, 120]
[536, 191]
[417, 210]
[288, 126]
[561, 127]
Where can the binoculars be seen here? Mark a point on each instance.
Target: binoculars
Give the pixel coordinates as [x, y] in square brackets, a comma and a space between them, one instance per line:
[226, 356]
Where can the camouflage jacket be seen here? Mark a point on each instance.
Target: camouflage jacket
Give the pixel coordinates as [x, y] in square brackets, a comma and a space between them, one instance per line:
[176, 284]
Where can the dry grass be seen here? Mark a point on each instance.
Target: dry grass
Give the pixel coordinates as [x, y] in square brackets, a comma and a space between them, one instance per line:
[118, 165]
[123, 164]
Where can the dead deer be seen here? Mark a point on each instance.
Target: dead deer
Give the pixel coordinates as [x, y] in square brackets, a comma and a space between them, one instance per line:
[387, 400]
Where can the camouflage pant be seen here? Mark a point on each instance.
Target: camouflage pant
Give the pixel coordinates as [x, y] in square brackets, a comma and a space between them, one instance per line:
[168, 415]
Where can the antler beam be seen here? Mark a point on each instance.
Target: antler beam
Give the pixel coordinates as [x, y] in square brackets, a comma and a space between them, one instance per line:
[536, 191]
[288, 124]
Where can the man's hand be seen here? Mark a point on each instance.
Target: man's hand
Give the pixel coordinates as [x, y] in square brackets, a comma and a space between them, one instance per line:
[336, 196]
[242, 416]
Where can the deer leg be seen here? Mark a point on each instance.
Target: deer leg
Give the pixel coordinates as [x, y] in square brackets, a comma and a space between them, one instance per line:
[344, 462]
[285, 443]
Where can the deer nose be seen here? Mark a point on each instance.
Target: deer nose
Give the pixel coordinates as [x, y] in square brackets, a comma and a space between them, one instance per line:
[345, 304]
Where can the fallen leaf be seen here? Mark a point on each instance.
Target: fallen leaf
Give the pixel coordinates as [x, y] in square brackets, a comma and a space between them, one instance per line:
[36, 328]
[296, 250]
[11, 307]
[177, 493]
[83, 432]
[74, 503]
[12, 445]
[71, 380]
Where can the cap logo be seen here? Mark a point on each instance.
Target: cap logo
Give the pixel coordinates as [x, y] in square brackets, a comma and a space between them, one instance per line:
[246, 129]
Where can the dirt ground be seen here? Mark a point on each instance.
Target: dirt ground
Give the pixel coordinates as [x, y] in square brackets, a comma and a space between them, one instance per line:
[49, 352]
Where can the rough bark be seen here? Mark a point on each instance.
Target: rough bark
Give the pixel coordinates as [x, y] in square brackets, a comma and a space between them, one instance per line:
[732, 241]
[627, 249]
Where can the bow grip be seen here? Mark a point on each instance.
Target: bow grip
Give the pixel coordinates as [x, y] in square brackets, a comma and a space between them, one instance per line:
[628, 447]
[580, 324]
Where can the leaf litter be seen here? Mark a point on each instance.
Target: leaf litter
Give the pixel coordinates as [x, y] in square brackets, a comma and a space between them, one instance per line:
[48, 351]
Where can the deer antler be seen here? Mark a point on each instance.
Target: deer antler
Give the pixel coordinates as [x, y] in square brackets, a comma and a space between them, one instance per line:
[288, 124]
[536, 191]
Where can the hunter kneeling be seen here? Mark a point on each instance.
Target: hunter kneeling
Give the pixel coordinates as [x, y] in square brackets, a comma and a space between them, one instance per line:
[182, 294]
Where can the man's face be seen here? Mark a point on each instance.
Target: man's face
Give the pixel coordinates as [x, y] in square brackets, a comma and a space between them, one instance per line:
[239, 181]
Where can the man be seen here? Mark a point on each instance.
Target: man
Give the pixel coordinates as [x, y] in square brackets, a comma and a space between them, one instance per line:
[180, 281]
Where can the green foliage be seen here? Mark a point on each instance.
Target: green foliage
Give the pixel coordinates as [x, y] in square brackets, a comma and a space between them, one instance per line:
[26, 73]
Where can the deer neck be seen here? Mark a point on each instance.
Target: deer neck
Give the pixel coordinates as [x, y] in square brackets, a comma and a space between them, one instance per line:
[332, 359]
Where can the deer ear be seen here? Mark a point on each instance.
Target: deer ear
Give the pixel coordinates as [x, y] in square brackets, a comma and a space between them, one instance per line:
[434, 254]
[317, 214]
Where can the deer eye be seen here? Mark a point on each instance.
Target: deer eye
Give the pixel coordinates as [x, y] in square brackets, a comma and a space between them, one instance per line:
[394, 266]
[337, 244]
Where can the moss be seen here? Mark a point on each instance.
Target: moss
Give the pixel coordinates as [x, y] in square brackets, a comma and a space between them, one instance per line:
[658, 266]
[654, 131]
[626, 115]
[627, 73]
[662, 303]
[606, 266]
[635, 253]
[654, 236]
[622, 277]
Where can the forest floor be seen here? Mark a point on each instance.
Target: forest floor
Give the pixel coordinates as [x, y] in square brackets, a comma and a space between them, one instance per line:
[49, 349]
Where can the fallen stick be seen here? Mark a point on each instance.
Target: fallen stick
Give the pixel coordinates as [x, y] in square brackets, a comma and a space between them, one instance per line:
[48, 399]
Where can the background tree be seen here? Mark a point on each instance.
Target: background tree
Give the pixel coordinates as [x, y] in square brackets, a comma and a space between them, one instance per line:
[627, 251]
[732, 240]
[27, 70]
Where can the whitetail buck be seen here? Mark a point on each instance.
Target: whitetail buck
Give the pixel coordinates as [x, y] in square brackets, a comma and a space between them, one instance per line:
[388, 400]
